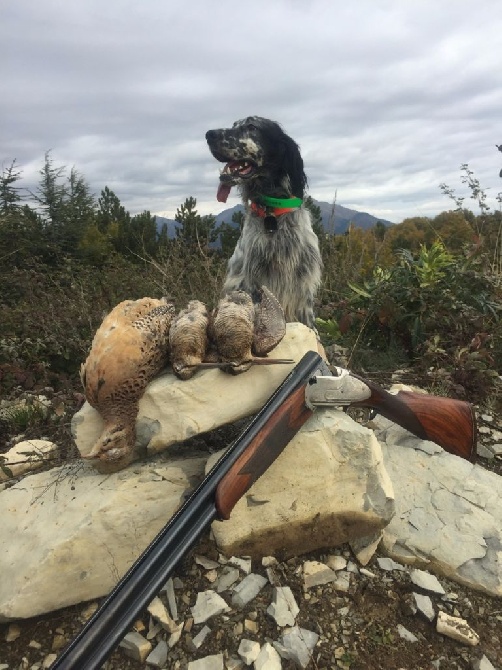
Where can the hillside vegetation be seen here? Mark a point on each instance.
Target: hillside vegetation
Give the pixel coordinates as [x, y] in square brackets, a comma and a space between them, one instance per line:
[425, 293]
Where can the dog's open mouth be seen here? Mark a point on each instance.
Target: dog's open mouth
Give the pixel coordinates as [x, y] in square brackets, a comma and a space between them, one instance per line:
[231, 173]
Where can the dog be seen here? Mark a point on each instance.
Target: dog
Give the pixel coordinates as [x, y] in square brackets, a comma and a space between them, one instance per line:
[277, 247]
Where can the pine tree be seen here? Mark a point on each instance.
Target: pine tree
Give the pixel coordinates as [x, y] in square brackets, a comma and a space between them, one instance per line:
[10, 198]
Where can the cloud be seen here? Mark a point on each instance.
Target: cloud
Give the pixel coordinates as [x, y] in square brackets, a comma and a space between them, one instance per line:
[386, 99]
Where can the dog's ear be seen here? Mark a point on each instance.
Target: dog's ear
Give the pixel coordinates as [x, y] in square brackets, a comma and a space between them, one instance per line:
[292, 165]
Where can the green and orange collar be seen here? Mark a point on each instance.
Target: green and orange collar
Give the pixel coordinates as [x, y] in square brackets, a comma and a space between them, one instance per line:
[267, 206]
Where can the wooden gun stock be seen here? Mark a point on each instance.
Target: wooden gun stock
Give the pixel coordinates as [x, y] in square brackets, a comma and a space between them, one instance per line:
[445, 421]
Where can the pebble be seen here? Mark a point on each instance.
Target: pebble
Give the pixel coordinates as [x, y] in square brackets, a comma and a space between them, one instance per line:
[248, 650]
[297, 644]
[267, 659]
[482, 664]
[284, 608]
[48, 660]
[336, 562]
[426, 581]
[158, 657]
[317, 574]
[424, 606]
[198, 640]
[159, 612]
[406, 634]
[208, 604]
[206, 563]
[208, 663]
[136, 646]
[243, 564]
[248, 589]
[13, 632]
[227, 579]
[385, 563]
[456, 628]
[168, 589]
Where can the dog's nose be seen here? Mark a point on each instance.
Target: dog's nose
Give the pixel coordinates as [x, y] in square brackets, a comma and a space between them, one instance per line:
[211, 135]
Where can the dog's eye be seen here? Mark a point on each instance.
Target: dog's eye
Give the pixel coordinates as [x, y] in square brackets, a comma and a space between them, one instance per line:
[251, 126]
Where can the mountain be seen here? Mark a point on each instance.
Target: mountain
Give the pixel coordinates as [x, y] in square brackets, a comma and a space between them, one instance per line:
[333, 222]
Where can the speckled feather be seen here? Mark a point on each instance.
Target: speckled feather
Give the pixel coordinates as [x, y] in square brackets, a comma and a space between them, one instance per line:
[188, 339]
[128, 350]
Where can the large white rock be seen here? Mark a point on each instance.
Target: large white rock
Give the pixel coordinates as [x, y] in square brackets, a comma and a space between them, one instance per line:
[68, 534]
[328, 486]
[448, 511]
[172, 410]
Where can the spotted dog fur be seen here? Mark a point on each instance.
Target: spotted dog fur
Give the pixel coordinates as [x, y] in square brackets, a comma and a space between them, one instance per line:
[261, 160]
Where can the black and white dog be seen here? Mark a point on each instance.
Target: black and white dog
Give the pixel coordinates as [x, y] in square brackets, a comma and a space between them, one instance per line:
[277, 247]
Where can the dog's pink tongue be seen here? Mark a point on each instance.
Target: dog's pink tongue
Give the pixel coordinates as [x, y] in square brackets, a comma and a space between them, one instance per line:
[223, 192]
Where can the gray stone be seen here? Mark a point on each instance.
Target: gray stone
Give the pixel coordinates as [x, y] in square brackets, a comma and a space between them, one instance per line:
[342, 581]
[158, 611]
[284, 608]
[248, 650]
[88, 527]
[316, 574]
[214, 662]
[227, 578]
[424, 606]
[25, 457]
[336, 562]
[136, 646]
[448, 511]
[175, 636]
[158, 657]
[206, 563]
[297, 644]
[267, 659]
[364, 547]
[386, 563]
[171, 598]
[208, 604]
[482, 664]
[243, 564]
[426, 581]
[248, 589]
[406, 634]
[198, 640]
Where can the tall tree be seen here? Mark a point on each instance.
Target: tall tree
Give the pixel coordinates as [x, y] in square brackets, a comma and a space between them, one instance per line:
[10, 197]
[50, 194]
[195, 230]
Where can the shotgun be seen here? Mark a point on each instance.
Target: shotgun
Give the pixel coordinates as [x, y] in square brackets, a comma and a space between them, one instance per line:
[450, 423]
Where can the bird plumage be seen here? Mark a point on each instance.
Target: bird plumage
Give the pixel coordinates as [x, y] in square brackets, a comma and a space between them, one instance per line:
[129, 348]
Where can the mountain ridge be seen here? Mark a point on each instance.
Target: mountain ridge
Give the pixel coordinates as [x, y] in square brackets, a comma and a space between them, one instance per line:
[332, 224]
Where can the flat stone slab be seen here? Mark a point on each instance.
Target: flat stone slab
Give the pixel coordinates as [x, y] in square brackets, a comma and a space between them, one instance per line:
[69, 534]
[448, 511]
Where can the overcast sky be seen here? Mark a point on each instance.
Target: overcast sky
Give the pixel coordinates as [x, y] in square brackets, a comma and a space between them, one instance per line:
[385, 98]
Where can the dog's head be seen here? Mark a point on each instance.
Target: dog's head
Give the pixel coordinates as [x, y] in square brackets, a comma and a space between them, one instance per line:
[259, 158]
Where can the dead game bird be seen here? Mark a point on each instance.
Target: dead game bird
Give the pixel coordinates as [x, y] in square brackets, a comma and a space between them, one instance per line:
[244, 328]
[128, 350]
[188, 339]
